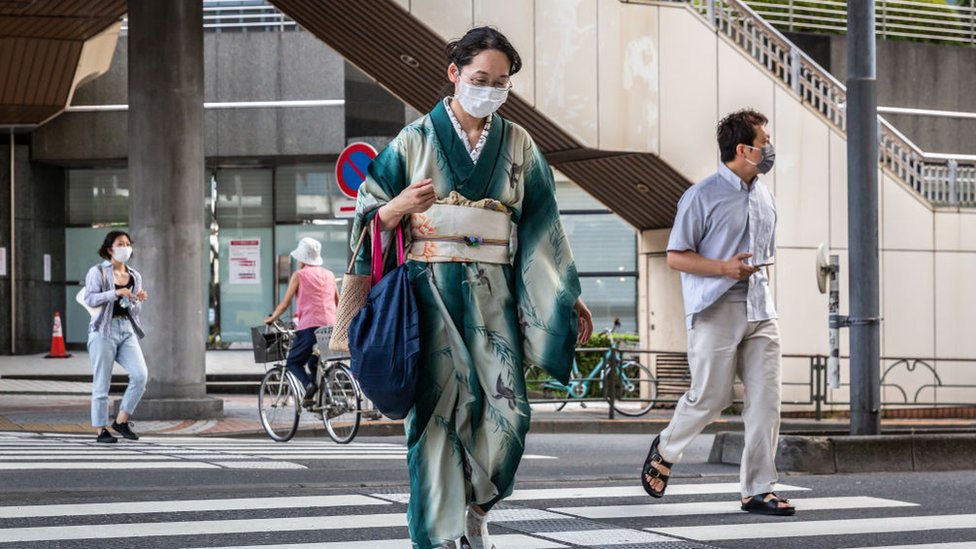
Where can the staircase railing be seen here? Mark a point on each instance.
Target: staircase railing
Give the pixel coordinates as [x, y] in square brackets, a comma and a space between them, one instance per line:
[899, 19]
[943, 179]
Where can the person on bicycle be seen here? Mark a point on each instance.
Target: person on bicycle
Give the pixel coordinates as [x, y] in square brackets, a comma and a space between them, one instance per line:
[115, 290]
[314, 290]
[469, 183]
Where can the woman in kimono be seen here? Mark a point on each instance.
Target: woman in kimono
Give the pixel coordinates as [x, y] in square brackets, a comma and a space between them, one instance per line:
[495, 284]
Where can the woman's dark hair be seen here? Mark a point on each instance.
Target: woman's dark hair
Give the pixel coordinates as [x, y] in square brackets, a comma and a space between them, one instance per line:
[105, 251]
[738, 128]
[463, 50]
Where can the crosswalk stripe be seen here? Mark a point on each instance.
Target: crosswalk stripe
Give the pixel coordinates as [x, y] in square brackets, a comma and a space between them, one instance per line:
[183, 506]
[604, 537]
[770, 530]
[632, 491]
[202, 527]
[722, 507]
[72, 452]
[277, 465]
[946, 545]
[237, 526]
[173, 464]
[121, 457]
[21, 466]
[508, 541]
[621, 491]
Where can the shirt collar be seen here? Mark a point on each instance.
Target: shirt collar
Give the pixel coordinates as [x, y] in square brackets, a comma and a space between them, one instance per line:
[734, 180]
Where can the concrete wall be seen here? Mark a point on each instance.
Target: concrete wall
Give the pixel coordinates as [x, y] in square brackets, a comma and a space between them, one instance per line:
[39, 210]
[256, 66]
[657, 78]
[914, 75]
[928, 257]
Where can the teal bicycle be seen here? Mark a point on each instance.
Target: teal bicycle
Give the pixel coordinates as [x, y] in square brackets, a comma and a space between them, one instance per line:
[632, 388]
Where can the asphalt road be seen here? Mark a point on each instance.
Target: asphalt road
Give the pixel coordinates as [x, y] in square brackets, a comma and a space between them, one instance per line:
[574, 491]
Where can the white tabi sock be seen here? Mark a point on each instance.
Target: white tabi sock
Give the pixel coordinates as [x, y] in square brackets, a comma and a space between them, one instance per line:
[476, 530]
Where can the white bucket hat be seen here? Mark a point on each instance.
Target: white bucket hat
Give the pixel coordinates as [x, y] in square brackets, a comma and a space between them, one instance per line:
[309, 251]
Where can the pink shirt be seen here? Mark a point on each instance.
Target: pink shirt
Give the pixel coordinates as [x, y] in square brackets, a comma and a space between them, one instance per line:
[315, 299]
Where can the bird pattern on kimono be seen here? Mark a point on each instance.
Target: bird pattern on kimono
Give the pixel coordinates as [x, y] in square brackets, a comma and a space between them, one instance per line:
[502, 391]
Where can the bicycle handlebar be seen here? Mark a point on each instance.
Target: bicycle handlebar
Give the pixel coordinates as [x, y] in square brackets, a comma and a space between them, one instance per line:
[609, 331]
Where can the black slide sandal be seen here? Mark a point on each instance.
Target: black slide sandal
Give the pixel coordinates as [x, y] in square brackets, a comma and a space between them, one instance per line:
[758, 505]
[649, 470]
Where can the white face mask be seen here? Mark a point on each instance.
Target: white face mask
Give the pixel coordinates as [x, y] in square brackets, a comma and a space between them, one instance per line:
[479, 101]
[122, 253]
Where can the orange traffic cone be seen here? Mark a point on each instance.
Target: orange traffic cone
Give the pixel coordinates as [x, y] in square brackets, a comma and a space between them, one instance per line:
[57, 340]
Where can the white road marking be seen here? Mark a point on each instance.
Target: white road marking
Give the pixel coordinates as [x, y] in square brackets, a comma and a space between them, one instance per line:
[722, 507]
[768, 530]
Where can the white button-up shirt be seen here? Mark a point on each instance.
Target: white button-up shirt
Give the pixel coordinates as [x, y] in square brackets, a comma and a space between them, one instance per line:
[718, 218]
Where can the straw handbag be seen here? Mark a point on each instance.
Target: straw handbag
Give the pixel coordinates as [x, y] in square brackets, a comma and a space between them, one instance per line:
[355, 290]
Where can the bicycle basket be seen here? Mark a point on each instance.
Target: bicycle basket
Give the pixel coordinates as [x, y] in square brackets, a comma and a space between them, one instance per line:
[322, 337]
[269, 345]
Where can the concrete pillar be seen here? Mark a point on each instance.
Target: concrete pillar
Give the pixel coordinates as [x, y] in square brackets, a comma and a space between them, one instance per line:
[166, 213]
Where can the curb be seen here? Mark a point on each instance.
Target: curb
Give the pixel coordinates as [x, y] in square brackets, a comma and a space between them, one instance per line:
[839, 453]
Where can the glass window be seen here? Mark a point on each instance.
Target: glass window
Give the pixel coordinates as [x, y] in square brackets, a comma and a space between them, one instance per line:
[601, 243]
[98, 197]
[305, 193]
[609, 298]
[603, 246]
[570, 196]
[244, 198]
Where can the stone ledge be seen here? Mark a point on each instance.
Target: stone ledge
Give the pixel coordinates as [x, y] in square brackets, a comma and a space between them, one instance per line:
[836, 453]
[156, 409]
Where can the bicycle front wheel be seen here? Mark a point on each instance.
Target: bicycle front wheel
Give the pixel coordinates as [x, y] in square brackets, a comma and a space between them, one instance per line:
[634, 389]
[278, 405]
[340, 403]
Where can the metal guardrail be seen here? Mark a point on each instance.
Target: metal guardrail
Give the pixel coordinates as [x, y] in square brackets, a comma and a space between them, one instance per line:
[923, 392]
[944, 180]
[910, 396]
[239, 15]
[908, 19]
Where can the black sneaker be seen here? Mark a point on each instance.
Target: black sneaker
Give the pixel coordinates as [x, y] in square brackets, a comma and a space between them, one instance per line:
[124, 430]
[310, 392]
[106, 437]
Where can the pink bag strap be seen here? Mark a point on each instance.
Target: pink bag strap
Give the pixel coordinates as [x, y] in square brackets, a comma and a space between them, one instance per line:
[377, 263]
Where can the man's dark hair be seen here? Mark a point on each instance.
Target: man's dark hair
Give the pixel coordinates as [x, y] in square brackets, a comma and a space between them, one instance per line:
[738, 128]
[105, 251]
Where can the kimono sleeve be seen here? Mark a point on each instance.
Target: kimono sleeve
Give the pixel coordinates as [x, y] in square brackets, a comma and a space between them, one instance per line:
[386, 178]
[547, 283]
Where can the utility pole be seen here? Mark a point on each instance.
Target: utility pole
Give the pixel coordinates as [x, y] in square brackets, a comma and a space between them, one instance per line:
[862, 216]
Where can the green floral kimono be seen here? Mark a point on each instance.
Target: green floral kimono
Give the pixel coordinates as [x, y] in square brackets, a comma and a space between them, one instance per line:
[481, 323]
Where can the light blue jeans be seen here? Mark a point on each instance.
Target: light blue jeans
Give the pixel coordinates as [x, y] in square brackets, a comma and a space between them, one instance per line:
[122, 346]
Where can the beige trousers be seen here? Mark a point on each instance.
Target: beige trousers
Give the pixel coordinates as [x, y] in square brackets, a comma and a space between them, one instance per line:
[721, 345]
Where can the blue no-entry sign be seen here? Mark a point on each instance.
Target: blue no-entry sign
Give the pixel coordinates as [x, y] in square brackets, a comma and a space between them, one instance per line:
[352, 166]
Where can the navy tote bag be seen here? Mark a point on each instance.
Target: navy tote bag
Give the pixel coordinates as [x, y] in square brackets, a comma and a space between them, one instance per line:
[384, 336]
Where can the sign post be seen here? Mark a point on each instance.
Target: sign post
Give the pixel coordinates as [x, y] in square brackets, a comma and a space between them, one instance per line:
[350, 172]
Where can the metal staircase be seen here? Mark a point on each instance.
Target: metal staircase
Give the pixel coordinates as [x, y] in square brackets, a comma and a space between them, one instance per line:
[942, 179]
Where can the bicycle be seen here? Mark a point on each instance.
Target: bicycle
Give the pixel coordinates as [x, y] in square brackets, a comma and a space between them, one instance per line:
[339, 402]
[634, 388]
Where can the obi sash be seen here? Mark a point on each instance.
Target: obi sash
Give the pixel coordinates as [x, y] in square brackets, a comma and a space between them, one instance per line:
[460, 234]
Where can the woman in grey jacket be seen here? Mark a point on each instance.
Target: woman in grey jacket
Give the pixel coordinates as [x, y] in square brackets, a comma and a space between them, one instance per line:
[116, 290]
